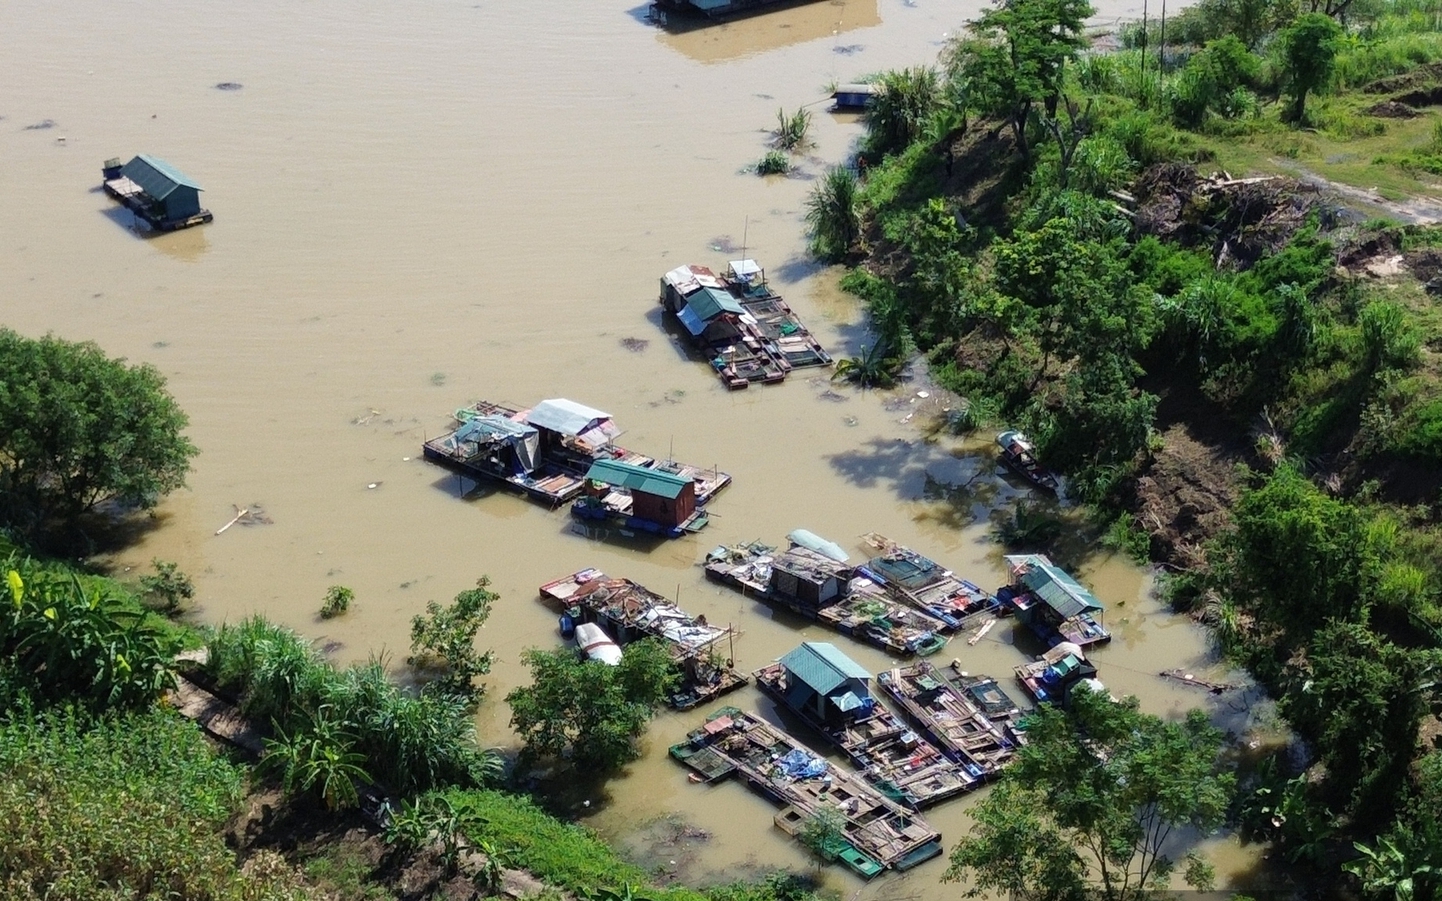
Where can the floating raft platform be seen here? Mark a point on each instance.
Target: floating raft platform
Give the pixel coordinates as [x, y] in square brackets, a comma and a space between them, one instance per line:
[558, 451]
[928, 586]
[988, 695]
[947, 716]
[629, 612]
[156, 192]
[878, 834]
[828, 591]
[747, 332]
[1053, 604]
[1047, 678]
[902, 764]
[661, 10]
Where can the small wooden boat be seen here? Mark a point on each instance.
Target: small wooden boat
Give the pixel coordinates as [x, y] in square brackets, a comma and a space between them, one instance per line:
[1018, 454]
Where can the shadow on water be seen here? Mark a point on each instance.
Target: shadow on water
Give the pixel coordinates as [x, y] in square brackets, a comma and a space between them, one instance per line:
[186, 244]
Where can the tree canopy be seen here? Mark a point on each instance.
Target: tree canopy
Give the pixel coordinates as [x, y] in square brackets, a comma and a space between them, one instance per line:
[588, 710]
[79, 429]
[1088, 805]
[1309, 53]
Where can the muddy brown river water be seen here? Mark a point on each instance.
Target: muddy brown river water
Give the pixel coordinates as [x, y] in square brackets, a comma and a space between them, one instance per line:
[424, 203]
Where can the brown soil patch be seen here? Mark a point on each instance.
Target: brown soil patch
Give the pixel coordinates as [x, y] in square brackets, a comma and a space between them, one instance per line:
[1391, 109]
[1424, 264]
[1185, 495]
[1422, 75]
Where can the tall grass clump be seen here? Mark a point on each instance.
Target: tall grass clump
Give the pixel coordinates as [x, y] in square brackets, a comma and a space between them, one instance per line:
[903, 103]
[792, 132]
[833, 215]
[1362, 62]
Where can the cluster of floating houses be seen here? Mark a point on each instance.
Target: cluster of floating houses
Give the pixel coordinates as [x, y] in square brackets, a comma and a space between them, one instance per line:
[745, 330]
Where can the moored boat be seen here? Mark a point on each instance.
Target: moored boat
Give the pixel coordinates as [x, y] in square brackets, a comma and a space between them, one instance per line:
[1017, 452]
[597, 645]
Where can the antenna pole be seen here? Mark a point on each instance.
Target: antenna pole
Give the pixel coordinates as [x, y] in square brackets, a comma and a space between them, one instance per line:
[745, 229]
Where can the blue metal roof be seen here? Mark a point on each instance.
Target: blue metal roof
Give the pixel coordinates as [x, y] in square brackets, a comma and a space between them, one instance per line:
[155, 176]
[708, 303]
[1052, 585]
[693, 323]
[637, 478]
[822, 667]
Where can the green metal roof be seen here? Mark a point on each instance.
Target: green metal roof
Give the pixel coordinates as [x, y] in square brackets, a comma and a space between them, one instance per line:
[155, 176]
[637, 478]
[822, 667]
[709, 303]
[1053, 586]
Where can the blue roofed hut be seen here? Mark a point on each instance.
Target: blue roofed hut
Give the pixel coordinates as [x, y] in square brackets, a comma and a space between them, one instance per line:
[1055, 605]
[156, 191]
[825, 683]
[657, 497]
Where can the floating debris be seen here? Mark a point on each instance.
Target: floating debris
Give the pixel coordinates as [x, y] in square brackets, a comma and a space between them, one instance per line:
[41, 125]
[229, 86]
[1215, 688]
[247, 516]
[635, 345]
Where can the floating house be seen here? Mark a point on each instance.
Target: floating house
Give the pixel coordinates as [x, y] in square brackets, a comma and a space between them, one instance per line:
[923, 583]
[155, 191]
[1052, 603]
[549, 452]
[949, 717]
[832, 693]
[711, 9]
[1049, 678]
[640, 497]
[747, 331]
[819, 587]
[631, 612]
[877, 833]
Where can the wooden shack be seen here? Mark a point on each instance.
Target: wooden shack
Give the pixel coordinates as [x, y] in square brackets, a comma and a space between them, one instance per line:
[825, 683]
[808, 578]
[156, 192]
[659, 497]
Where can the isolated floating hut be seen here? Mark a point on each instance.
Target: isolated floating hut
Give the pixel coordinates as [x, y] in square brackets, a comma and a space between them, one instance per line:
[155, 191]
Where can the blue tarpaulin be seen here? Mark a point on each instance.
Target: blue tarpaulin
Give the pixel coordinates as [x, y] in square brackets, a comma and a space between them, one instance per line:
[799, 765]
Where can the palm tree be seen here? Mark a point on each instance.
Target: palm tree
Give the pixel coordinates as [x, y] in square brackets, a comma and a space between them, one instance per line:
[832, 214]
[875, 368]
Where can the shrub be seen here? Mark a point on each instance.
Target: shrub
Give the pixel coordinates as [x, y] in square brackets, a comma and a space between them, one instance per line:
[1389, 340]
[443, 642]
[775, 162]
[791, 131]
[903, 103]
[832, 214]
[337, 601]
[169, 585]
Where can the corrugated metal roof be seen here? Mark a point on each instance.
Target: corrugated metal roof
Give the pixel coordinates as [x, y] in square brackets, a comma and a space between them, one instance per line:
[637, 478]
[564, 416]
[1049, 582]
[686, 279]
[708, 303]
[822, 667]
[155, 176]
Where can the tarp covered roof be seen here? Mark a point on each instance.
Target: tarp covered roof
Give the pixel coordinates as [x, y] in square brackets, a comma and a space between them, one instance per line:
[492, 426]
[155, 176]
[1052, 585]
[686, 279]
[694, 324]
[637, 478]
[822, 667]
[564, 416]
[708, 303]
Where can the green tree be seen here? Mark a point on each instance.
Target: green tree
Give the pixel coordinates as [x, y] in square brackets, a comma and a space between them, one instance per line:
[1309, 49]
[169, 585]
[337, 601]
[443, 642]
[824, 834]
[1088, 805]
[832, 215]
[1016, 59]
[79, 429]
[1298, 558]
[586, 710]
[1360, 699]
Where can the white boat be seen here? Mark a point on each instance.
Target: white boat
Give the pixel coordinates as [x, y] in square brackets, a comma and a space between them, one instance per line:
[592, 639]
[813, 542]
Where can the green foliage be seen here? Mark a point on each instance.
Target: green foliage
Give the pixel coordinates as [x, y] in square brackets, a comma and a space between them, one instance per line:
[169, 586]
[443, 642]
[1028, 526]
[1015, 59]
[337, 601]
[901, 105]
[1360, 698]
[68, 640]
[1389, 339]
[1211, 80]
[832, 214]
[319, 759]
[587, 711]
[792, 131]
[411, 743]
[824, 834]
[1299, 558]
[78, 429]
[1126, 536]
[125, 807]
[775, 162]
[1087, 806]
[876, 367]
[1308, 49]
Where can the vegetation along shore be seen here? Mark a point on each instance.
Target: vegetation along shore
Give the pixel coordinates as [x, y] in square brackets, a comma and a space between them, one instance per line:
[1198, 268]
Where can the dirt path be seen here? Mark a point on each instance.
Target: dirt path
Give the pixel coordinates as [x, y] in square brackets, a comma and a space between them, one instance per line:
[1421, 210]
